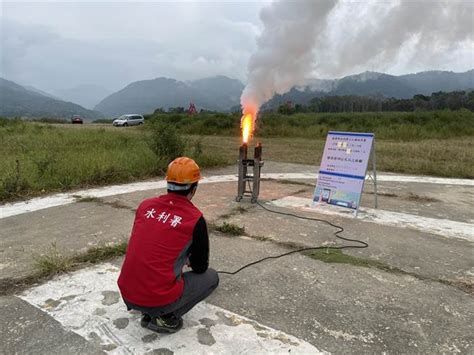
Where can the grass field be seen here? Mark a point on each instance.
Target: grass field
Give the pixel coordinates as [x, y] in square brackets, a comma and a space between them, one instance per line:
[453, 157]
[43, 158]
[396, 126]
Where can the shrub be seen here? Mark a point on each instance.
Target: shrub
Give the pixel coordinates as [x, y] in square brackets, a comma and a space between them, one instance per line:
[13, 185]
[166, 142]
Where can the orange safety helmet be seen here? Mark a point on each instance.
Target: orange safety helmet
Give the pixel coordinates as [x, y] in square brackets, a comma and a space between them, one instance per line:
[183, 170]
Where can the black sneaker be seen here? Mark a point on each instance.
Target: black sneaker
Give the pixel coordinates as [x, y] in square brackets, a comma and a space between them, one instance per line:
[145, 320]
[165, 324]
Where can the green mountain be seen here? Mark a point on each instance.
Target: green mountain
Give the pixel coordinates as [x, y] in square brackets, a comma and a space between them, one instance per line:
[433, 81]
[374, 84]
[17, 101]
[221, 93]
[378, 85]
[218, 93]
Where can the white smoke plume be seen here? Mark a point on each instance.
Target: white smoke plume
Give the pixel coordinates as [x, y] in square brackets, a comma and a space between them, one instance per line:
[301, 39]
[380, 34]
[285, 49]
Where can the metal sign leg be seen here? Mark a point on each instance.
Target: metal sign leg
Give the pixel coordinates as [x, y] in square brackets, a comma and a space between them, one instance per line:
[374, 172]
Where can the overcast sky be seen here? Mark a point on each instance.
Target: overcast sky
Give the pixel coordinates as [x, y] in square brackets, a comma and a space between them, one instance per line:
[59, 45]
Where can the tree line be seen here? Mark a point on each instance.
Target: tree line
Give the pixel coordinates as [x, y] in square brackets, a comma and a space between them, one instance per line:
[455, 100]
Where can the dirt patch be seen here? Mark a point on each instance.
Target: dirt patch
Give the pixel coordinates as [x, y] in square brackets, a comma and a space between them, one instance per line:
[205, 337]
[121, 323]
[149, 338]
[100, 311]
[110, 297]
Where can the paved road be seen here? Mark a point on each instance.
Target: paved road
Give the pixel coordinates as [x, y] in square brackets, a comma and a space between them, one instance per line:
[337, 308]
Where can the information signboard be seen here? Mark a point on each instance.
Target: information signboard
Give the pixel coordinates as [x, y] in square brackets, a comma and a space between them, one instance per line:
[343, 168]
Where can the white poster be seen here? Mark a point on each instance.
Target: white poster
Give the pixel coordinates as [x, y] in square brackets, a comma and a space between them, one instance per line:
[343, 168]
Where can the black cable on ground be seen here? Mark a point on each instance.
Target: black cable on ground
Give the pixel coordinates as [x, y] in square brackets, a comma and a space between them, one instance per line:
[360, 243]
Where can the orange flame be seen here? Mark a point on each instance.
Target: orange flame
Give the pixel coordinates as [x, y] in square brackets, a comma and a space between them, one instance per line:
[246, 124]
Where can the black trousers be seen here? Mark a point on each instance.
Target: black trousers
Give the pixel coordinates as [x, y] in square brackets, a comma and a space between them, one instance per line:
[196, 288]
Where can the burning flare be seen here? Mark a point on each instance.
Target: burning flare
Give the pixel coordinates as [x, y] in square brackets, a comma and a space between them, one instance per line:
[247, 126]
[247, 122]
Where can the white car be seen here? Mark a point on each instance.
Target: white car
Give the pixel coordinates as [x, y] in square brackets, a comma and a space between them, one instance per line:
[129, 120]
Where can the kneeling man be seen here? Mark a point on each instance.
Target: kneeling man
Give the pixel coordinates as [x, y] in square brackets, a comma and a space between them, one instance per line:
[168, 232]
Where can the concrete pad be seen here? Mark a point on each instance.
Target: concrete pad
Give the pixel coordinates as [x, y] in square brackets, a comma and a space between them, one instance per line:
[337, 308]
[419, 252]
[78, 226]
[444, 227]
[27, 330]
[73, 229]
[88, 303]
[342, 308]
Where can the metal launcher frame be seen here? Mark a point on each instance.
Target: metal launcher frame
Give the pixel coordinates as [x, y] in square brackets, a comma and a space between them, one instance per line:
[246, 179]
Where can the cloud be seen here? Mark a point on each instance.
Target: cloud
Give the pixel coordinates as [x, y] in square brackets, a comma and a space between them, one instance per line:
[61, 44]
[18, 40]
[114, 45]
[35, 54]
[381, 35]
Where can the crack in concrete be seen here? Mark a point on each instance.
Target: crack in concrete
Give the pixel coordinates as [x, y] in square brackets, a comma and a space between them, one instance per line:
[115, 204]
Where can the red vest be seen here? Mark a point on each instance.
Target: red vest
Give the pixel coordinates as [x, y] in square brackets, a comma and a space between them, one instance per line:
[161, 236]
